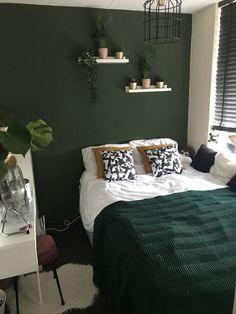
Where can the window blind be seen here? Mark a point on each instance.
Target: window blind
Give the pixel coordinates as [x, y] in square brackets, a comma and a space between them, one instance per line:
[225, 106]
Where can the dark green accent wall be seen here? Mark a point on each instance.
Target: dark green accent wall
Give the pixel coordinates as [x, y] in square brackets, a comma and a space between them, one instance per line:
[40, 77]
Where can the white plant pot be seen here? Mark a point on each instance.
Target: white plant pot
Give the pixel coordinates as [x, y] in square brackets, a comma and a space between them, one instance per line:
[103, 53]
[119, 55]
[159, 84]
[133, 85]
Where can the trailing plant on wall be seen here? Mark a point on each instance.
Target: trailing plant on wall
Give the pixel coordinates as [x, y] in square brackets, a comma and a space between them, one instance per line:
[18, 138]
[89, 66]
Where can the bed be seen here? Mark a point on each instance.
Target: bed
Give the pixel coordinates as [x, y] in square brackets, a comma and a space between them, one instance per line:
[163, 245]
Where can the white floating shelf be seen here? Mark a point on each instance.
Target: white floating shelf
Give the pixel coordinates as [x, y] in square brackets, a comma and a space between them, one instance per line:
[110, 60]
[151, 89]
[113, 60]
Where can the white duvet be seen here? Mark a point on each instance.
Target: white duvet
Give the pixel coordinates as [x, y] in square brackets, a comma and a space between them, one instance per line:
[96, 194]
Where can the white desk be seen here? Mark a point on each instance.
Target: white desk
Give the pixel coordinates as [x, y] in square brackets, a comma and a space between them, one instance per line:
[18, 254]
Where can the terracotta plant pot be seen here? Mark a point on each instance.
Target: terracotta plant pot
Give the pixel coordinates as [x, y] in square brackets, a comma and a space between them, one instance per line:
[103, 53]
[119, 55]
[146, 83]
[133, 85]
[159, 84]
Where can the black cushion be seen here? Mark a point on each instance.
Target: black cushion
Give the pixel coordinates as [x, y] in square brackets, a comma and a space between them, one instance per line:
[204, 159]
[232, 182]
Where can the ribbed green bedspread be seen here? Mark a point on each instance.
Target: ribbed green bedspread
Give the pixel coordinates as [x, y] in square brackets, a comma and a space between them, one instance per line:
[171, 254]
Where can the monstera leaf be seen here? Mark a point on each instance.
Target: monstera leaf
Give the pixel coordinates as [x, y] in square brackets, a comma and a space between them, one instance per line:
[16, 139]
[41, 135]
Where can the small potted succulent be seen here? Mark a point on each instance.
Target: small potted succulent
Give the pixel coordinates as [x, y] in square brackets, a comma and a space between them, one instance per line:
[101, 37]
[133, 83]
[160, 82]
[119, 51]
[146, 67]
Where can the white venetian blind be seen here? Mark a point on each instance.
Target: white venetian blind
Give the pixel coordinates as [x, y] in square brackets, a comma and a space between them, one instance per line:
[225, 106]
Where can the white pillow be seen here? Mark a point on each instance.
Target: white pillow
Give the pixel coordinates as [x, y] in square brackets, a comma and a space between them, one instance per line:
[89, 159]
[224, 166]
[154, 141]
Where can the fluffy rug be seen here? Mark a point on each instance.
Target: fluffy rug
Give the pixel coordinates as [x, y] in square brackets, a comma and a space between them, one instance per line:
[76, 284]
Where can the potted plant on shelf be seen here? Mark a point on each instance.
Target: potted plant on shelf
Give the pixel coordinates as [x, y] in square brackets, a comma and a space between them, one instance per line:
[101, 37]
[89, 66]
[102, 48]
[146, 67]
[17, 138]
[119, 51]
[160, 82]
[133, 83]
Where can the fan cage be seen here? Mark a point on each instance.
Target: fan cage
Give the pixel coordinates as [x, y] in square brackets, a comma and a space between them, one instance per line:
[162, 21]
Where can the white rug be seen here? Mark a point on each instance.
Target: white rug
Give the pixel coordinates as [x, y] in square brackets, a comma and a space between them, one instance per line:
[76, 284]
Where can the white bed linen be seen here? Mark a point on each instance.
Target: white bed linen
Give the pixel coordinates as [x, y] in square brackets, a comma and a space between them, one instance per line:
[96, 194]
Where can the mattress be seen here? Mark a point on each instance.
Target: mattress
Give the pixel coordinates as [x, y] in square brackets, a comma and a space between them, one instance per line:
[96, 194]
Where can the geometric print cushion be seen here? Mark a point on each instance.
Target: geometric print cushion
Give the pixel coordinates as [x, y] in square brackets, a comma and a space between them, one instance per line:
[164, 160]
[118, 165]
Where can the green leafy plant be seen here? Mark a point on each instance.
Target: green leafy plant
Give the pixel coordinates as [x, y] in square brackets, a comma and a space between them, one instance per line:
[102, 43]
[159, 78]
[146, 61]
[89, 66]
[41, 135]
[133, 80]
[101, 35]
[17, 138]
[119, 47]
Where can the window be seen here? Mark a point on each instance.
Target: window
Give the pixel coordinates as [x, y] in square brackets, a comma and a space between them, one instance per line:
[225, 106]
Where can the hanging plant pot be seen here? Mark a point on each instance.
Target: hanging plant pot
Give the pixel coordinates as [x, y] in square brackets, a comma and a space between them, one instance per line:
[103, 53]
[146, 83]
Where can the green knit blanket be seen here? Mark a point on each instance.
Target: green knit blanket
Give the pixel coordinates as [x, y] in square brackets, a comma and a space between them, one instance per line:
[172, 254]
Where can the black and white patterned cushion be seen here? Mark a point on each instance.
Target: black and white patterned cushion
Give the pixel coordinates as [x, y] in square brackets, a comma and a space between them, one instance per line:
[118, 165]
[164, 161]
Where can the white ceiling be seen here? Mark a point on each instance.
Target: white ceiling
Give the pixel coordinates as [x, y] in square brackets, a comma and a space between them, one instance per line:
[189, 6]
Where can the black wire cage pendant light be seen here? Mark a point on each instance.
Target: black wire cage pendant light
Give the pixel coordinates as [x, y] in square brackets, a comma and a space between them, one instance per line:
[162, 21]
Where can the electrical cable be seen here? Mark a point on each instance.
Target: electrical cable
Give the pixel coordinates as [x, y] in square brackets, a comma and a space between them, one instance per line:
[67, 223]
